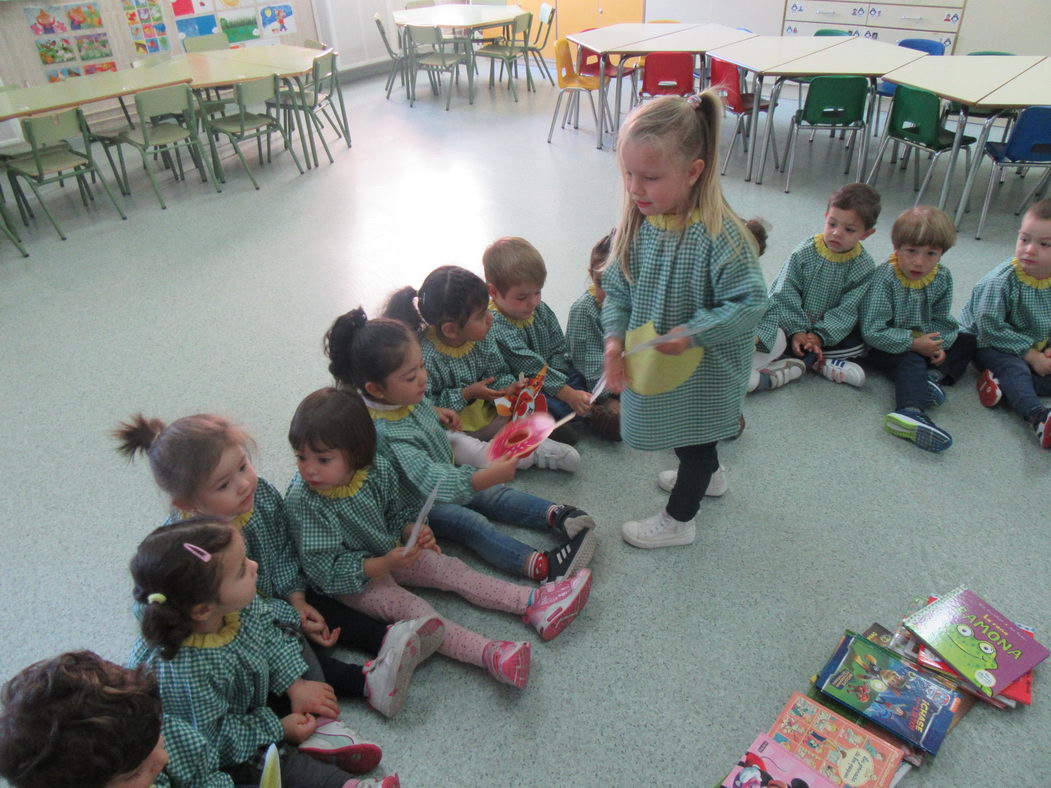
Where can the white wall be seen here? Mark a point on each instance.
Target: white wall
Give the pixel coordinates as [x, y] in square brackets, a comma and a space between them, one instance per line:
[759, 16]
[350, 27]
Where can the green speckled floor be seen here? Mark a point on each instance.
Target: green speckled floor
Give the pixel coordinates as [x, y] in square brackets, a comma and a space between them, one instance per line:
[682, 656]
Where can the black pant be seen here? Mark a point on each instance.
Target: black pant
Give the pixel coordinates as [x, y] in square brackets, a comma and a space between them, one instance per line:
[909, 370]
[357, 631]
[696, 466]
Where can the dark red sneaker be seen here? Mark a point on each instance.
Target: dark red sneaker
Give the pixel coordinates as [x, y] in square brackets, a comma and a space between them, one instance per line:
[1043, 430]
[989, 389]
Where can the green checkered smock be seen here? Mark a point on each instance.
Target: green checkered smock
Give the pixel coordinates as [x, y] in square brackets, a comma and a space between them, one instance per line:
[452, 369]
[1009, 310]
[691, 279]
[527, 345]
[336, 530]
[193, 761]
[897, 309]
[412, 439]
[819, 291]
[584, 337]
[268, 542]
[218, 684]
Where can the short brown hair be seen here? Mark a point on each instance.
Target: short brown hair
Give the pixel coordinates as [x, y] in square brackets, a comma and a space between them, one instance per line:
[77, 720]
[513, 261]
[860, 198]
[334, 419]
[923, 225]
[1041, 210]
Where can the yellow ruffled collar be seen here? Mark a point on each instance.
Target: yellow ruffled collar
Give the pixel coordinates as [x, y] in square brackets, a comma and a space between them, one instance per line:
[1029, 279]
[835, 257]
[513, 321]
[238, 522]
[227, 632]
[380, 410]
[915, 284]
[672, 221]
[349, 489]
[593, 292]
[448, 350]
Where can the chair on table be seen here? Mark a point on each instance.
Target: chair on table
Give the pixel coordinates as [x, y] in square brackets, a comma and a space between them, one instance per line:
[667, 74]
[1028, 146]
[569, 81]
[316, 96]
[546, 15]
[725, 77]
[427, 52]
[398, 61]
[209, 43]
[51, 159]
[836, 103]
[246, 124]
[516, 46]
[931, 47]
[915, 121]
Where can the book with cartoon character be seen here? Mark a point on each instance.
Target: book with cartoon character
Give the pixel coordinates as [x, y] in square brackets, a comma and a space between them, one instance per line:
[913, 705]
[768, 764]
[833, 746]
[977, 640]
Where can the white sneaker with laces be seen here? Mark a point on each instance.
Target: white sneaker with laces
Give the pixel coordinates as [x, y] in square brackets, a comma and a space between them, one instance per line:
[716, 487]
[556, 456]
[406, 644]
[661, 530]
[840, 371]
[333, 742]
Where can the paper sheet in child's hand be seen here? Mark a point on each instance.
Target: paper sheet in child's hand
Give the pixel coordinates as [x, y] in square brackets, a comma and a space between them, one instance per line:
[671, 336]
[421, 518]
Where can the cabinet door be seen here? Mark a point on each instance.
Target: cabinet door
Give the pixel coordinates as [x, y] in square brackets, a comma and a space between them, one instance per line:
[575, 15]
[809, 28]
[915, 17]
[827, 11]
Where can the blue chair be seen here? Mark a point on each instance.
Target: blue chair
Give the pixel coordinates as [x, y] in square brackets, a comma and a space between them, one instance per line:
[1028, 146]
[927, 45]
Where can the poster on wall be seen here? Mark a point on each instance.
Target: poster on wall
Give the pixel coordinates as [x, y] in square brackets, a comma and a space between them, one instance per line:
[99, 68]
[55, 50]
[239, 26]
[149, 33]
[83, 16]
[46, 21]
[61, 74]
[51, 25]
[94, 47]
[203, 25]
[277, 20]
[191, 7]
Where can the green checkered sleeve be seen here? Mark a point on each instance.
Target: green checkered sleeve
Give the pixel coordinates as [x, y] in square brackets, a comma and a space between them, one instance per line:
[268, 541]
[192, 760]
[883, 326]
[786, 293]
[448, 376]
[529, 348]
[1006, 313]
[584, 338]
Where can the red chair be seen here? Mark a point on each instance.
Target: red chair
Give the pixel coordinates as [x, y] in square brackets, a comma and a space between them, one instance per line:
[588, 66]
[667, 74]
[726, 78]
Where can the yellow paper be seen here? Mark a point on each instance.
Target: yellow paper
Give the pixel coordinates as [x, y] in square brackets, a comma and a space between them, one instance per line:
[652, 372]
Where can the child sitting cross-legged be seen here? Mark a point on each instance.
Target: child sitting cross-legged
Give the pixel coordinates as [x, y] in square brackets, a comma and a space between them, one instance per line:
[357, 542]
[907, 322]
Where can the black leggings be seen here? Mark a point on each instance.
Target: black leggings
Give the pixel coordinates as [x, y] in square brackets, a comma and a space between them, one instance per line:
[696, 466]
[357, 631]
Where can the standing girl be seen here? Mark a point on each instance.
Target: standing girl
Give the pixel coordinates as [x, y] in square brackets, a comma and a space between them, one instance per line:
[202, 462]
[381, 359]
[683, 260]
[466, 372]
[229, 666]
[350, 525]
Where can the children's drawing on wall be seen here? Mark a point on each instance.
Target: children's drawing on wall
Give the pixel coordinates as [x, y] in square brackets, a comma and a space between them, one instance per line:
[55, 50]
[149, 34]
[226, 5]
[46, 21]
[62, 74]
[94, 47]
[239, 26]
[83, 16]
[277, 19]
[193, 26]
[99, 68]
[191, 7]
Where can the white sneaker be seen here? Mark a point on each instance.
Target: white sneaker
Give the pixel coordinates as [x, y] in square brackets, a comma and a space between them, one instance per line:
[557, 456]
[716, 487]
[840, 371]
[753, 380]
[661, 530]
[333, 742]
[387, 677]
[784, 371]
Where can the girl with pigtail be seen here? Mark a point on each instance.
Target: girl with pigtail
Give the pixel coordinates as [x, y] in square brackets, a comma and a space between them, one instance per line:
[682, 262]
[466, 372]
[230, 666]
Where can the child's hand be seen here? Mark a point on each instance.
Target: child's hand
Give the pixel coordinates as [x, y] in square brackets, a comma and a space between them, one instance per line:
[500, 471]
[512, 391]
[928, 344]
[797, 342]
[400, 558]
[481, 390]
[1038, 362]
[579, 401]
[426, 540]
[298, 727]
[675, 347]
[613, 362]
[938, 358]
[814, 344]
[313, 697]
[449, 419]
[312, 622]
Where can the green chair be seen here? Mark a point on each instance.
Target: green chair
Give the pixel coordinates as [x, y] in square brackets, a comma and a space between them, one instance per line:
[398, 61]
[209, 43]
[8, 228]
[800, 81]
[427, 52]
[165, 137]
[316, 96]
[49, 161]
[508, 52]
[20, 149]
[915, 121]
[547, 21]
[245, 125]
[836, 103]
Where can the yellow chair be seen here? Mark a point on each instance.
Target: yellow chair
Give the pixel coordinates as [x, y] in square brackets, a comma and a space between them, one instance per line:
[569, 81]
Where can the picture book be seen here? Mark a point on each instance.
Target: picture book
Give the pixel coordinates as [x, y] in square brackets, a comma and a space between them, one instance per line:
[833, 746]
[892, 693]
[529, 399]
[767, 763]
[977, 640]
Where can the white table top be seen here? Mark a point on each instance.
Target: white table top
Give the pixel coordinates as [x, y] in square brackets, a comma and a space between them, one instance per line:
[616, 38]
[466, 16]
[697, 40]
[962, 78]
[1030, 88]
[763, 54]
[861, 56]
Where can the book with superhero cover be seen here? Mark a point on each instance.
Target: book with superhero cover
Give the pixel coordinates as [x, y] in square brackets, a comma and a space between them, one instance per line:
[914, 706]
[1020, 691]
[879, 634]
[835, 747]
[767, 763]
[985, 647]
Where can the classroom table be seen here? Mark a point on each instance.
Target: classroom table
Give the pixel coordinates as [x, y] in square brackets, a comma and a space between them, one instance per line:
[467, 17]
[967, 80]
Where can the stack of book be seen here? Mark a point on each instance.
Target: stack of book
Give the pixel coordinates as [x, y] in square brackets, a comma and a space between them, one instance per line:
[885, 700]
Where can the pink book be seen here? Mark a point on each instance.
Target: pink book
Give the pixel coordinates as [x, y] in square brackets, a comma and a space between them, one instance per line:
[765, 762]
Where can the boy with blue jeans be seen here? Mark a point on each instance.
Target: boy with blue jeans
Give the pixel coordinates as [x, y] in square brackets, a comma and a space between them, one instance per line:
[527, 331]
[1010, 311]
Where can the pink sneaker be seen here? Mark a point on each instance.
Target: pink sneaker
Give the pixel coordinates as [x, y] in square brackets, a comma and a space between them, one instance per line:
[508, 662]
[334, 742]
[555, 605]
[390, 781]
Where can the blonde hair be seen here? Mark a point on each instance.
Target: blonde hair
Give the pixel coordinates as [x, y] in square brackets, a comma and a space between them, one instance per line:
[923, 225]
[688, 129]
[513, 261]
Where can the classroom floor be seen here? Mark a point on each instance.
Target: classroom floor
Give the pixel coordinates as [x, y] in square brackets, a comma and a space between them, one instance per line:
[684, 655]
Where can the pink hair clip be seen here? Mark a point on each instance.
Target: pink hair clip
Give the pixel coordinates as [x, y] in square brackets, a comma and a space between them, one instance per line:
[198, 552]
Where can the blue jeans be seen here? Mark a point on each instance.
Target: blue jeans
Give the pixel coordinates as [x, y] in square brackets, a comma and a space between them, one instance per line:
[556, 407]
[1021, 387]
[470, 525]
[909, 370]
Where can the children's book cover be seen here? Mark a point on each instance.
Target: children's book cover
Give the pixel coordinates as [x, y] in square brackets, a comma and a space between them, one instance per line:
[833, 746]
[977, 640]
[876, 682]
[768, 764]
